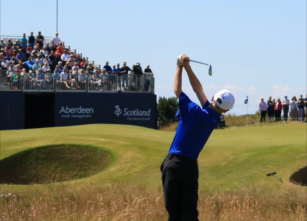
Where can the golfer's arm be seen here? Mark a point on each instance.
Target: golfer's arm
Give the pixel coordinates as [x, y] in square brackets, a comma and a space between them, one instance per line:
[196, 85]
[178, 81]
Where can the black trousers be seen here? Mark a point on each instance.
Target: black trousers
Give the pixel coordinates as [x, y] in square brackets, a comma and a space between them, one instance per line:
[286, 111]
[180, 187]
[277, 115]
[262, 117]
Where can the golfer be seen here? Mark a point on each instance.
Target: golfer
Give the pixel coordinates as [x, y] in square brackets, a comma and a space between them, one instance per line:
[180, 169]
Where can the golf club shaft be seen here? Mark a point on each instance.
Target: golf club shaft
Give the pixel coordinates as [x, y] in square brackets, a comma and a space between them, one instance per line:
[198, 62]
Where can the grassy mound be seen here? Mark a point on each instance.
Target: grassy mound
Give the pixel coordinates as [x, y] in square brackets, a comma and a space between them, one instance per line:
[54, 163]
[299, 177]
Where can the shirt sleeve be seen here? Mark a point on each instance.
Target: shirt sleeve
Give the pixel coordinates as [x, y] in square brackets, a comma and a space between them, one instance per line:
[188, 110]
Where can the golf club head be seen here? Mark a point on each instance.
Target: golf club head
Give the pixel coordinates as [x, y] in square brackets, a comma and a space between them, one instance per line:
[210, 70]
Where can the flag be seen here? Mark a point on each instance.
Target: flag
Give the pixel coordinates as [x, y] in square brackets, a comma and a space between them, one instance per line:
[246, 100]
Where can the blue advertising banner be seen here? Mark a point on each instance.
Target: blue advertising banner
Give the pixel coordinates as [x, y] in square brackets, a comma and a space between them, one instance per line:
[12, 110]
[112, 108]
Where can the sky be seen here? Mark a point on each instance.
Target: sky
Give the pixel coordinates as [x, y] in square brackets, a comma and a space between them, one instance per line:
[256, 48]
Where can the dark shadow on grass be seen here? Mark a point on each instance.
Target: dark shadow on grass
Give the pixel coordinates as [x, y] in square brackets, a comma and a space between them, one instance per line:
[56, 163]
[299, 177]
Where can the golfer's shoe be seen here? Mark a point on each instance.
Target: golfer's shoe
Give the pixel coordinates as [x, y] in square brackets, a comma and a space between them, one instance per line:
[179, 60]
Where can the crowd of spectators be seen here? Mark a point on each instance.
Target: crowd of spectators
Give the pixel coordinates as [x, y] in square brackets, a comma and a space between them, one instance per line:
[296, 109]
[40, 63]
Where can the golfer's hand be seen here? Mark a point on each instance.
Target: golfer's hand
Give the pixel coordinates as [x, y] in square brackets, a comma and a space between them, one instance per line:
[185, 61]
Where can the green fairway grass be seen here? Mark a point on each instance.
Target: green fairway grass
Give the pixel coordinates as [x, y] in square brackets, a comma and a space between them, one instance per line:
[232, 159]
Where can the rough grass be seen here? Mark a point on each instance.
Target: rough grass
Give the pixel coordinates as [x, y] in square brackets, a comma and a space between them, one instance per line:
[237, 121]
[140, 203]
[53, 164]
[233, 181]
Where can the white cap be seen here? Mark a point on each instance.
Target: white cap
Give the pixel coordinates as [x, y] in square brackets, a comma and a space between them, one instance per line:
[227, 99]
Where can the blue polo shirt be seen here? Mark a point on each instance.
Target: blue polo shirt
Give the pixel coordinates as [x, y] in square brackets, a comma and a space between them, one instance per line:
[195, 127]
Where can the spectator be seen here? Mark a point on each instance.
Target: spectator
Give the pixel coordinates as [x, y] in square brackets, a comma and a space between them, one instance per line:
[60, 64]
[83, 63]
[46, 60]
[23, 41]
[104, 79]
[277, 110]
[64, 78]
[305, 108]
[36, 66]
[21, 55]
[137, 73]
[40, 39]
[41, 57]
[75, 68]
[90, 67]
[262, 109]
[4, 63]
[37, 81]
[45, 51]
[45, 68]
[29, 49]
[293, 106]
[9, 42]
[124, 72]
[52, 61]
[285, 107]
[273, 112]
[65, 57]
[82, 79]
[7, 48]
[31, 40]
[2, 43]
[29, 63]
[58, 53]
[35, 50]
[55, 41]
[48, 81]
[108, 68]
[115, 70]
[300, 105]
[147, 69]
[16, 80]
[72, 80]
[48, 48]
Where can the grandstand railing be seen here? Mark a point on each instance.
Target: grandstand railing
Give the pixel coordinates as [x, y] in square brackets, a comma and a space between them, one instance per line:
[12, 81]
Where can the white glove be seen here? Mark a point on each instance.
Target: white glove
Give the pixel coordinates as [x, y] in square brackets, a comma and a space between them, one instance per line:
[179, 60]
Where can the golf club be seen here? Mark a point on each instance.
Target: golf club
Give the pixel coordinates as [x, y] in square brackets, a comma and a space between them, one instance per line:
[210, 66]
[274, 174]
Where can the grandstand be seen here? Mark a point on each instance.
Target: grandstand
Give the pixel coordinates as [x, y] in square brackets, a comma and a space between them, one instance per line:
[37, 75]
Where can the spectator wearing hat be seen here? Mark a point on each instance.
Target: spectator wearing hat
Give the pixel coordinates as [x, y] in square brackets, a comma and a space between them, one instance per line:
[277, 110]
[262, 109]
[285, 107]
[40, 39]
[2, 43]
[55, 41]
[293, 108]
[23, 41]
[32, 40]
